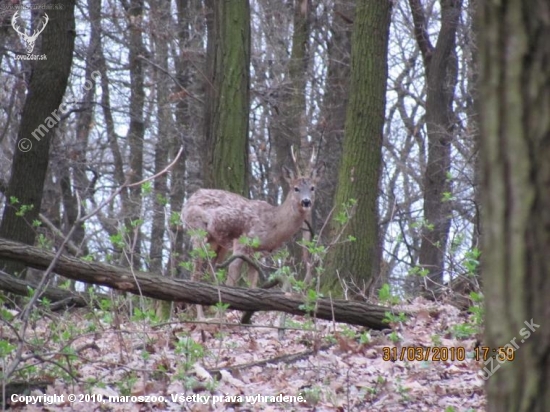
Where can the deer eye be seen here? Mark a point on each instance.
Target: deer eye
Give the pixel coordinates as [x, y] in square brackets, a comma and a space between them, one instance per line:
[312, 188]
[296, 189]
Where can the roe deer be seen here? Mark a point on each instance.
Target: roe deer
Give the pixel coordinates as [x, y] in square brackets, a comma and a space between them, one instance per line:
[226, 216]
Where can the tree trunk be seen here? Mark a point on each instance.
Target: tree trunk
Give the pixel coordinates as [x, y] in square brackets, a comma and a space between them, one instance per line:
[440, 66]
[289, 114]
[42, 109]
[190, 69]
[356, 262]
[334, 108]
[515, 144]
[161, 13]
[136, 131]
[227, 97]
[75, 164]
[291, 126]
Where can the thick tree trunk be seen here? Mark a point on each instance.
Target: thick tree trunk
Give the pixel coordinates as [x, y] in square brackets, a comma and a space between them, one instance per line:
[359, 174]
[514, 105]
[164, 288]
[46, 89]
[228, 96]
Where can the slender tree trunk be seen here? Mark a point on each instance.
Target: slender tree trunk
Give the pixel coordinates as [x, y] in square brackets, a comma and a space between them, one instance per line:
[45, 93]
[289, 113]
[357, 262]
[441, 77]
[189, 112]
[515, 145]
[291, 125]
[73, 174]
[136, 131]
[161, 13]
[117, 163]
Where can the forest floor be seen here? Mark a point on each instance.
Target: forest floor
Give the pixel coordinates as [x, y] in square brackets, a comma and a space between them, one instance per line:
[110, 364]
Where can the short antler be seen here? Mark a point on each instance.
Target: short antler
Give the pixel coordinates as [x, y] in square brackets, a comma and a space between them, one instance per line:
[295, 159]
[313, 159]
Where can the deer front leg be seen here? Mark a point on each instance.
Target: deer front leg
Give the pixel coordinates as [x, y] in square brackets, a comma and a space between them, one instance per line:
[221, 254]
[234, 270]
[234, 274]
[196, 275]
[252, 276]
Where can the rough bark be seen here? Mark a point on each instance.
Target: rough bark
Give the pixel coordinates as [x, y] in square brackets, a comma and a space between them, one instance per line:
[45, 92]
[136, 129]
[514, 54]
[292, 128]
[334, 107]
[189, 110]
[359, 174]
[228, 96]
[289, 126]
[161, 14]
[164, 288]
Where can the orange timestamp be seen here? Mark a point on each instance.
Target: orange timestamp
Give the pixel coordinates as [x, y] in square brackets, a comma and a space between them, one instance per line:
[502, 353]
[428, 353]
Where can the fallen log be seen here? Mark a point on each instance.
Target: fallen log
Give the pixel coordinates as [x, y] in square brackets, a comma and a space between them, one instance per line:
[168, 289]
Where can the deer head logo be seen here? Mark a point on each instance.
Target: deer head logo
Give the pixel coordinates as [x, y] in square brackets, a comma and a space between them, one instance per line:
[29, 40]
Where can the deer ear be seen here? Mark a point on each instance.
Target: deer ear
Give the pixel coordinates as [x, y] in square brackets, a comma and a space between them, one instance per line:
[317, 173]
[288, 174]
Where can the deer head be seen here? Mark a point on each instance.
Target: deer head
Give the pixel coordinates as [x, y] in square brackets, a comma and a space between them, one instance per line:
[302, 188]
[29, 40]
